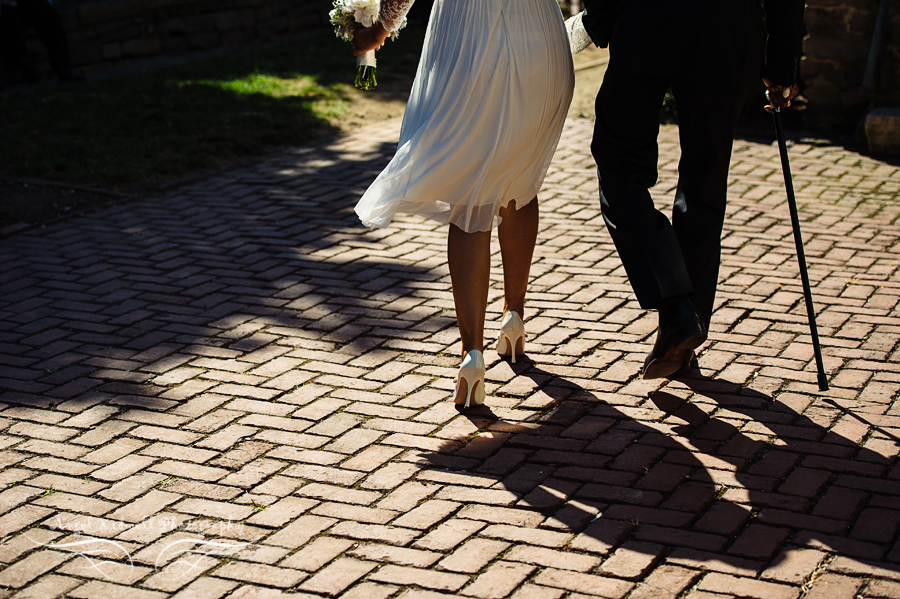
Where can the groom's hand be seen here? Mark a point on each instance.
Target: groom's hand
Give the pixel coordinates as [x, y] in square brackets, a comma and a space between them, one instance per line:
[370, 38]
[778, 96]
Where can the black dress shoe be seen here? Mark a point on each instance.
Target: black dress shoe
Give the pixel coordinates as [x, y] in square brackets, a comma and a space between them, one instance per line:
[690, 367]
[680, 331]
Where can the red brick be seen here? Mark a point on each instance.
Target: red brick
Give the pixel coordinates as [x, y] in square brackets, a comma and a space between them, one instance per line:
[532, 591]
[775, 463]
[691, 497]
[723, 518]
[531, 536]
[665, 582]
[632, 560]
[839, 503]
[427, 514]
[840, 545]
[391, 535]
[805, 482]
[104, 590]
[395, 555]
[317, 553]
[717, 562]
[52, 586]
[723, 583]
[24, 571]
[498, 515]
[503, 461]
[472, 556]
[883, 589]
[876, 525]
[854, 567]
[369, 590]
[794, 520]
[832, 586]
[499, 580]
[682, 538]
[301, 530]
[601, 536]
[664, 477]
[583, 583]
[498, 497]
[407, 496]
[337, 576]
[448, 535]
[442, 581]
[371, 458]
[759, 542]
[339, 494]
[389, 476]
[793, 565]
[561, 560]
[260, 574]
[648, 515]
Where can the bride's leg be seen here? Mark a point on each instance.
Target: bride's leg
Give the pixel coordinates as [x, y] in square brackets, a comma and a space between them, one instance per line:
[518, 235]
[469, 256]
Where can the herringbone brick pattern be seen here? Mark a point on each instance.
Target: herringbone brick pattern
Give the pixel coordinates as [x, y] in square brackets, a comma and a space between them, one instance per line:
[235, 390]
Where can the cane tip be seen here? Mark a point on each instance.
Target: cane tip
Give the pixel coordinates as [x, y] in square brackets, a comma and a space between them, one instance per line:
[823, 382]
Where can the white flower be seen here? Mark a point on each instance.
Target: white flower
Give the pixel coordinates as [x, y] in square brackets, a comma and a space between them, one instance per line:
[365, 12]
[342, 6]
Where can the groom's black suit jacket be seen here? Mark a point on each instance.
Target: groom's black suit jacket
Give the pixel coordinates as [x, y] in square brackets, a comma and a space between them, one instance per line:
[713, 41]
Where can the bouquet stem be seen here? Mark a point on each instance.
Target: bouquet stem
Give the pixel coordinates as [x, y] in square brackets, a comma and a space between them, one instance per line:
[365, 71]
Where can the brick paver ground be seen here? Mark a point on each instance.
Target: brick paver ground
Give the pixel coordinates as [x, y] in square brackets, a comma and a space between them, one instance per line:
[235, 390]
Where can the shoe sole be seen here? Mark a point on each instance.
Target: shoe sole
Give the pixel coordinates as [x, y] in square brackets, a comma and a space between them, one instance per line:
[672, 361]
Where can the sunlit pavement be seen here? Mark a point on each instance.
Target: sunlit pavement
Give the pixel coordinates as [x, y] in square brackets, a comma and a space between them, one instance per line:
[236, 390]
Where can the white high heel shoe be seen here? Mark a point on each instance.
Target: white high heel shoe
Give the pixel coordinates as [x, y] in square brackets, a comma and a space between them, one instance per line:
[472, 371]
[511, 331]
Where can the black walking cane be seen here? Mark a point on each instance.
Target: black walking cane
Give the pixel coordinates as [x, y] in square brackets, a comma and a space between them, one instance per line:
[801, 256]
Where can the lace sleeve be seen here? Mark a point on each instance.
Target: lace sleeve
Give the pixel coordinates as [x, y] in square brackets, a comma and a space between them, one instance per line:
[392, 13]
[578, 37]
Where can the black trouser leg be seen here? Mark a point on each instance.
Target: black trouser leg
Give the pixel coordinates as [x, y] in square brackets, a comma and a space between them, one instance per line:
[625, 148]
[12, 41]
[706, 127]
[42, 16]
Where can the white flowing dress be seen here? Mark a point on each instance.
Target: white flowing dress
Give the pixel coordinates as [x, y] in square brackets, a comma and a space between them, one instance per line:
[484, 116]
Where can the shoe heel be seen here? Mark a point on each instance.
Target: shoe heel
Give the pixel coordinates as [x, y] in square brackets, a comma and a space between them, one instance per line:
[511, 331]
[472, 372]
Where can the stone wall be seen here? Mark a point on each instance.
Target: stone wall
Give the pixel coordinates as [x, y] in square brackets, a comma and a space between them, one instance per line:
[111, 31]
[835, 52]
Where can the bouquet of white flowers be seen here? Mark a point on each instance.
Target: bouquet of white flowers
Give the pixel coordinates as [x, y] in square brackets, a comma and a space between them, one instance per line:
[347, 17]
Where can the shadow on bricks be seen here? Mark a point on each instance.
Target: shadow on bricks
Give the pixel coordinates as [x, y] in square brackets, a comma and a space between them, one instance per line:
[742, 493]
[235, 390]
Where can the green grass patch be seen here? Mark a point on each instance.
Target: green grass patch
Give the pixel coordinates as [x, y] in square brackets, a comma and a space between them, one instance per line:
[188, 118]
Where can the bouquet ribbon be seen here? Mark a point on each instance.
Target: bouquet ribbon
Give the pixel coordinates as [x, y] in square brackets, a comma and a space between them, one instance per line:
[366, 60]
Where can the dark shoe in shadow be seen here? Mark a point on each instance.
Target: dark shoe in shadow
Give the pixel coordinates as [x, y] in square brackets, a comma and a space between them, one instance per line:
[681, 330]
[689, 369]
